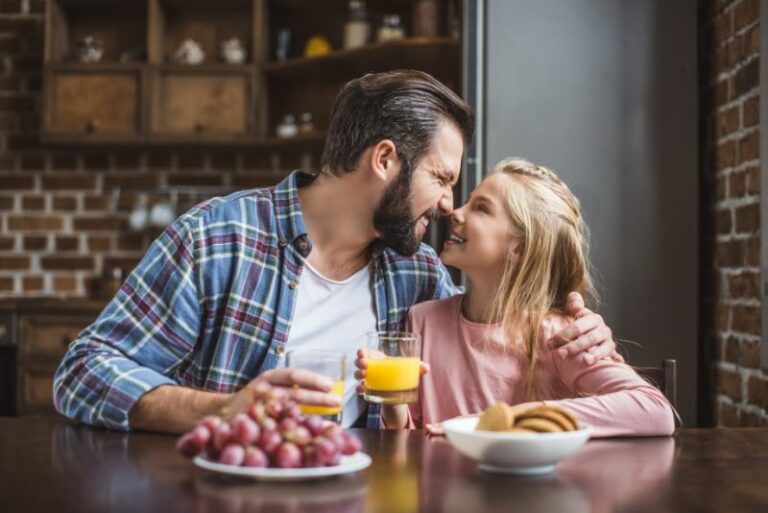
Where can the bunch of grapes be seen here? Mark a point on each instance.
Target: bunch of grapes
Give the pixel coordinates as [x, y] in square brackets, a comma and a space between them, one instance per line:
[272, 432]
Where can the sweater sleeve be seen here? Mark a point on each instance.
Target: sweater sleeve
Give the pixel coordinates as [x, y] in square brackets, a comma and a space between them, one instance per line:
[613, 399]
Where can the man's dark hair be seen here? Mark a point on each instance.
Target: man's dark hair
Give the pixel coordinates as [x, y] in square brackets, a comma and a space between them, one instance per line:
[405, 106]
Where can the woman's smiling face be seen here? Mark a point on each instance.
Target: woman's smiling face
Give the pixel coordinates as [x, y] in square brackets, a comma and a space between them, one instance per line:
[482, 236]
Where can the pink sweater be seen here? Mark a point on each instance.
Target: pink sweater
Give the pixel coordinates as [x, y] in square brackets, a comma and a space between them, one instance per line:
[472, 367]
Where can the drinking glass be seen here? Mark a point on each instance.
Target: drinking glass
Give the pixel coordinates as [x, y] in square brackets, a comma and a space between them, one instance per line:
[392, 372]
[330, 364]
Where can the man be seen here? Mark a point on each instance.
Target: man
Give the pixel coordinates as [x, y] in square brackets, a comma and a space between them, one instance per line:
[312, 262]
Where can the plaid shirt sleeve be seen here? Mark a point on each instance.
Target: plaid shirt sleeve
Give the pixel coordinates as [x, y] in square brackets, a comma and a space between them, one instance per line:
[147, 330]
[445, 286]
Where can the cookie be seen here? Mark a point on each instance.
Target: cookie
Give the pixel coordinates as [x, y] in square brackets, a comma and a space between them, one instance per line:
[520, 430]
[496, 418]
[559, 416]
[540, 425]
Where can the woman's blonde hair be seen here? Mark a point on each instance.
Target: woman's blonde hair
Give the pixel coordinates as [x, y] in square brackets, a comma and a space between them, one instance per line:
[553, 257]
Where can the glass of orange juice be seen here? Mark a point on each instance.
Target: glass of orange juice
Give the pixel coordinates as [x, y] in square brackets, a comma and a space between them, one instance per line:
[392, 372]
[330, 364]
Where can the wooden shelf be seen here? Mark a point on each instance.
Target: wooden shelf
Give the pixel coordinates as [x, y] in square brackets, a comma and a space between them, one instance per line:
[419, 53]
[300, 143]
[157, 102]
[95, 66]
[343, 5]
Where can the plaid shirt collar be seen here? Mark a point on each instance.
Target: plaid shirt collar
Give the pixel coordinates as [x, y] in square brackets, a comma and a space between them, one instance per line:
[290, 221]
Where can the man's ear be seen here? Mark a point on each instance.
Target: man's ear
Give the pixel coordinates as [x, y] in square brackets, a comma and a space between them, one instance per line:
[384, 161]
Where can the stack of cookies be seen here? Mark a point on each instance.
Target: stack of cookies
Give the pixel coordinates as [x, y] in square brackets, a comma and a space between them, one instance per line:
[540, 419]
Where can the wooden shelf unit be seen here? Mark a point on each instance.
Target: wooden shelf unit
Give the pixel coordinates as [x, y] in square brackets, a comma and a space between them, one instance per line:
[150, 99]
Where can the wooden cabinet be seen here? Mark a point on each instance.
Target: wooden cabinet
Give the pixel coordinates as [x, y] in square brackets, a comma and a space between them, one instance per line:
[138, 93]
[196, 104]
[94, 103]
[35, 334]
[35, 389]
[43, 340]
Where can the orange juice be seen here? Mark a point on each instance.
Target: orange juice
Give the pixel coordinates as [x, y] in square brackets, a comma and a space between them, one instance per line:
[338, 389]
[392, 380]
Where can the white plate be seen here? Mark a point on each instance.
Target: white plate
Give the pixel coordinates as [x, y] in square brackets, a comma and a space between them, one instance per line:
[513, 453]
[348, 464]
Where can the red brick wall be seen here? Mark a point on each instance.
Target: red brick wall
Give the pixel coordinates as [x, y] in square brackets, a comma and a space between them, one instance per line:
[63, 211]
[729, 57]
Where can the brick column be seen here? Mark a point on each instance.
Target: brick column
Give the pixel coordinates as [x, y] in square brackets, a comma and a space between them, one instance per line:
[731, 321]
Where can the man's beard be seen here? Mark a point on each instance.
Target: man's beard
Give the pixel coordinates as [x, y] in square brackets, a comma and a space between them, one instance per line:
[392, 217]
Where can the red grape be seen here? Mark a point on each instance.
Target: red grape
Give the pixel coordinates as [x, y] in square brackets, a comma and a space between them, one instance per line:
[222, 436]
[337, 439]
[269, 441]
[268, 424]
[292, 411]
[334, 460]
[311, 458]
[315, 424]
[255, 457]
[244, 430]
[287, 425]
[351, 443]
[232, 454]
[288, 456]
[299, 436]
[274, 408]
[256, 411]
[270, 432]
[211, 422]
[325, 450]
[202, 435]
[331, 429]
[188, 445]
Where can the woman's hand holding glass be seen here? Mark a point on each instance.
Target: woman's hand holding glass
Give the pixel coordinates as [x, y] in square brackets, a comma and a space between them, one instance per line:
[361, 364]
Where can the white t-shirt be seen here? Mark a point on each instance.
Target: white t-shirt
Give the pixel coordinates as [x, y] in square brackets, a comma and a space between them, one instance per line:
[334, 315]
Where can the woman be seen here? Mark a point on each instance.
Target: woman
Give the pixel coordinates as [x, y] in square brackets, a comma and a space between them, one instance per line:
[521, 240]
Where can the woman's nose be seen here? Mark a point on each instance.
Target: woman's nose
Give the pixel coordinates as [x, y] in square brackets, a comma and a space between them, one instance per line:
[457, 216]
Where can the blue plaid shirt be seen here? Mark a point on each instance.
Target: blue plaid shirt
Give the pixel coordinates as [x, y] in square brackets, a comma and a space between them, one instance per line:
[211, 303]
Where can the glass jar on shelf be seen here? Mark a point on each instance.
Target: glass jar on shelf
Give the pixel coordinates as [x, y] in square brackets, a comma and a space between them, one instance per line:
[391, 29]
[426, 18]
[287, 127]
[357, 29]
[306, 125]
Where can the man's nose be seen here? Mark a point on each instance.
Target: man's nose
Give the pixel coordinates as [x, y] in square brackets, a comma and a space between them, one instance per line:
[446, 203]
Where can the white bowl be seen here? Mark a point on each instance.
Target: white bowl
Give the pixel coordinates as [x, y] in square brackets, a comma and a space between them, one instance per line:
[513, 453]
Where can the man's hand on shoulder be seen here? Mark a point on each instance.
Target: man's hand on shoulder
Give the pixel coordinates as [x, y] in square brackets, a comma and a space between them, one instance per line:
[587, 336]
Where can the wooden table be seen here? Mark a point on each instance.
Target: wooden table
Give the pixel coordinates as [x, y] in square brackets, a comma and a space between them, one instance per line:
[55, 466]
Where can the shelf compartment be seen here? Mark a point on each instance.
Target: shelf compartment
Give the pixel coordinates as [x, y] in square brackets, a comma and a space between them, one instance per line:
[120, 26]
[93, 102]
[205, 103]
